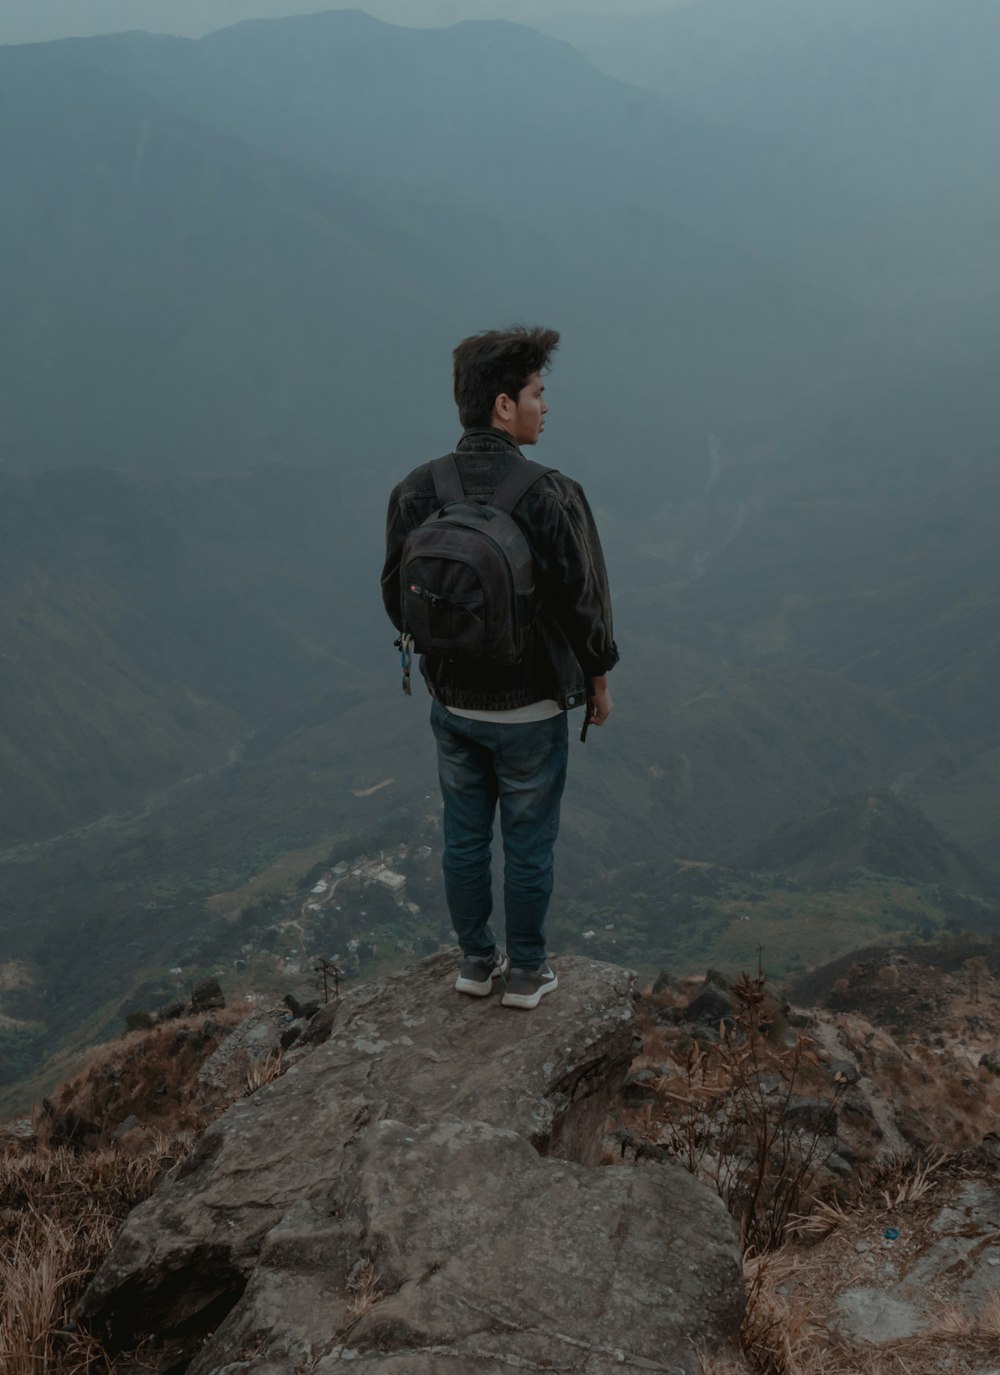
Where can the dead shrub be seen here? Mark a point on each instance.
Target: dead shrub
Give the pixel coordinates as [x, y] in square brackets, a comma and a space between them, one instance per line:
[729, 1117]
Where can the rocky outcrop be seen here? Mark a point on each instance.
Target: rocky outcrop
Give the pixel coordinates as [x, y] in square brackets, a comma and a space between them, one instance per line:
[419, 1194]
[223, 1076]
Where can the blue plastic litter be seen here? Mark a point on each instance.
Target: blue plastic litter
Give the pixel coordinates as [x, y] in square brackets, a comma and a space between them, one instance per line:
[891, 1233]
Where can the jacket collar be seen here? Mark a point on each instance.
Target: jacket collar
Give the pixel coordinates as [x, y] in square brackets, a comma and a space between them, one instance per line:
[486, 441]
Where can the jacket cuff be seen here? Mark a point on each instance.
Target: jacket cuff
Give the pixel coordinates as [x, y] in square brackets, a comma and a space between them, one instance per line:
[596, 668]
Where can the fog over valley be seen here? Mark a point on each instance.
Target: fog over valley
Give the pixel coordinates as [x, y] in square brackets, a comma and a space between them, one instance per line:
[234, 260]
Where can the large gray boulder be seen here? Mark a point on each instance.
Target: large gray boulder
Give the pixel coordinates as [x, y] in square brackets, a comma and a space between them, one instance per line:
[420, 1194]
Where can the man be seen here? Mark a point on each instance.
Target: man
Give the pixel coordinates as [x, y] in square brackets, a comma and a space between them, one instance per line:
[501, 731]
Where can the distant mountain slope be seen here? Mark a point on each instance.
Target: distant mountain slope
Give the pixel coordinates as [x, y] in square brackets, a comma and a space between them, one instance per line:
[874, 832]
[810, 69]
[893, 106]
[899, 989]
[207, 273]
[40, 21]
[425, 106]
[149, 625]
[174, 297]
[765, 744]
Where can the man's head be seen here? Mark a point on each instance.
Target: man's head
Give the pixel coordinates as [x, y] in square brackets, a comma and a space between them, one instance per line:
[498, 380]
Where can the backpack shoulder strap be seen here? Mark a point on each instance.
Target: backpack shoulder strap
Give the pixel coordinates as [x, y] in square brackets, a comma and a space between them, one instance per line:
[524, 475]
[447, 482]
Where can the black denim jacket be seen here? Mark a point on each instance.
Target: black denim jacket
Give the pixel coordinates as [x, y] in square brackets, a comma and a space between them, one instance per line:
[573, 638]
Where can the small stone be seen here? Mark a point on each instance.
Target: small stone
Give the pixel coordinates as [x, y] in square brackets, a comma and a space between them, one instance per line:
[812, 1114]
[836, 1164]
[709, 1008]
[305, 1008]
[868, 1315]
[21, 1129]
[321, 1025]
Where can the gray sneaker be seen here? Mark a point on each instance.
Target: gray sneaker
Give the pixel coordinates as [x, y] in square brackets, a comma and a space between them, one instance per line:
[527, 987]
[476, 976]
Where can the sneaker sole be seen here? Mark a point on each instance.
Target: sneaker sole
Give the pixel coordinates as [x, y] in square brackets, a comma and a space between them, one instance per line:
[529, 1000]
[480, 990]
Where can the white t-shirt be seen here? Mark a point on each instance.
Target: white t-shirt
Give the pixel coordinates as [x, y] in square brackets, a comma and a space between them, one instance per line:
[516, 716]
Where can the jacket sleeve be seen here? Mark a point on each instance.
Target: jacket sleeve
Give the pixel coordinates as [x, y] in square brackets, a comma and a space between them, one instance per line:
[395, 534]
[578, 583]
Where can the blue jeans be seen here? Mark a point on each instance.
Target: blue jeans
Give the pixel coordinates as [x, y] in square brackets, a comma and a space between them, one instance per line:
[524, 768]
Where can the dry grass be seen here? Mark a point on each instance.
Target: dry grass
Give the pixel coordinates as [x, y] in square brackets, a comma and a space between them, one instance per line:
[63, 1202]
[149, 1075]
[783, 1335]
[989, 1317]
[262, 1072]
[718, 1363]
[913, 1184]
[60, 1213]
[364, 1290]
[898, 1181]
[952, 1322]
[824, 1218]
[792, 1292]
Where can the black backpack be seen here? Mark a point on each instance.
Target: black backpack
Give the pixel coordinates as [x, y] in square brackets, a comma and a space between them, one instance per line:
[467, 576]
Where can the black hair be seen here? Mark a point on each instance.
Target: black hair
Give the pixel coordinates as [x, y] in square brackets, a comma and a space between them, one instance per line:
[497, 362]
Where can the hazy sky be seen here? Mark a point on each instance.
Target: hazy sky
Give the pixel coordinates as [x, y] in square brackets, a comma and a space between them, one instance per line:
[32, 21]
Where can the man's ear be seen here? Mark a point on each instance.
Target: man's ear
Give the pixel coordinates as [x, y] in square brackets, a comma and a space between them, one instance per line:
[504, 407]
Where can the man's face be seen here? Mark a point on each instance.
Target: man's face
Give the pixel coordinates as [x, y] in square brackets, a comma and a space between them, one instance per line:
[523, 418]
